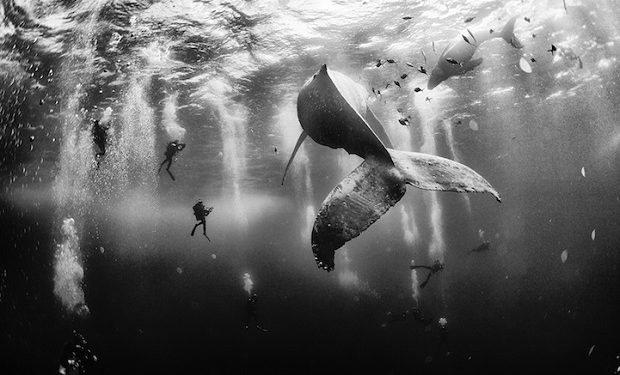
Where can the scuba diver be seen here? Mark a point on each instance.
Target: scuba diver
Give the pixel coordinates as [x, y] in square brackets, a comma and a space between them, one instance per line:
[415, 313]
[201, 214]
[436, 267]
[250, 308]
[486, 245]
[100, 138]
[171, 150]
[77, 358]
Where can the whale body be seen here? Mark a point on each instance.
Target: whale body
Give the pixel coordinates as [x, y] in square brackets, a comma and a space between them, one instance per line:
[457, 57]
[332, 110]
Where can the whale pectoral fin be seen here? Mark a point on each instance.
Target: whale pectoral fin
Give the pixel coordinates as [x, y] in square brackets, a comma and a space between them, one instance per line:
[353, 205]
[300, 140]
[377, 127]
[431, 172]
[470, 65]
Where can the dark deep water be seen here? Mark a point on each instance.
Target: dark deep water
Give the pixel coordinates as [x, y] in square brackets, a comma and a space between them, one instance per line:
[223, 78]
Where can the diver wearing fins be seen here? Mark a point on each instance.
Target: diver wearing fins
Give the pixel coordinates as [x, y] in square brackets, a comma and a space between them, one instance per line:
[171, 150]
[201, 213]
[436, 267]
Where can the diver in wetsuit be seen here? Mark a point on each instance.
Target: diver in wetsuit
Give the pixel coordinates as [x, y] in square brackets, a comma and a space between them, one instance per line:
[201, 214]
[250, 308]
[171, 150]
[100, 138]
[486, 245]
[436, 267]
[415, 313]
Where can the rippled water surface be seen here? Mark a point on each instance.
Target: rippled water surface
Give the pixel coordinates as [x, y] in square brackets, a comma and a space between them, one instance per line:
[105, 251]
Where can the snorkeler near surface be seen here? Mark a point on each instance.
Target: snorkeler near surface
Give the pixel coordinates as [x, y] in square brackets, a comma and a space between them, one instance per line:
[415, 313]
[250, 308]
[201, 212]
[171, 150]
[100, 138]
[436, 267]
[77, 358]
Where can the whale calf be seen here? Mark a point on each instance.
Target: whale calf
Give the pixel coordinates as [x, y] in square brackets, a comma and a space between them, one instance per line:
[333, 111]
[457, 57]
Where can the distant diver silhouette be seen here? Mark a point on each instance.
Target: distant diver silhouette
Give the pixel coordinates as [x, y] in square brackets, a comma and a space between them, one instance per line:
[171, 150]
[436, 267]
[250, 308]
[100, 138]
[486, 245]
[201, 214]
[415, 313]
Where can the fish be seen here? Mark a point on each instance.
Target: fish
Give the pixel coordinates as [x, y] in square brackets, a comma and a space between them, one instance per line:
[417, 89]
[469, 19]
[491, 31]
[390, 61]
[410, 65]
[472, 36]
[457, 57]
[397, 83]
[580, 62]
[552, 50]
[428, 99]
[423, 55]
[403, 76]
[407, 17]
[524, 65]
[378, 64]
[565, 9]
[387, 85]
[434, 47]
[332, 110]
[527, 19]
[533, 59]
[403, 121]
[533, 35]
[422, 70]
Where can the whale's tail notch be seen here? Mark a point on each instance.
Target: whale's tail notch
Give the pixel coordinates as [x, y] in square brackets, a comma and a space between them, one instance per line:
[508, 34]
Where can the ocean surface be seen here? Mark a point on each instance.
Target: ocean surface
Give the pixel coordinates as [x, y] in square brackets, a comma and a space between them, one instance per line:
[99, 273]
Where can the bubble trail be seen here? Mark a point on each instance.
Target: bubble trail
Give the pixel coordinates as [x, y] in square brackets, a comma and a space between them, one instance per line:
[68, 270]
[247, 283]
[169, 119]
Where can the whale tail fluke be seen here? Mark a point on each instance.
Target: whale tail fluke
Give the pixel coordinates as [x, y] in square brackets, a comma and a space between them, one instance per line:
[353, 205]
[430, 172]
[375, 186]
[300, 140]
[508, 34]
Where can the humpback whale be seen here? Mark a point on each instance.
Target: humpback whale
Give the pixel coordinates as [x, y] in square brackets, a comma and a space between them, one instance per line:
[332, 110]
[456, 58]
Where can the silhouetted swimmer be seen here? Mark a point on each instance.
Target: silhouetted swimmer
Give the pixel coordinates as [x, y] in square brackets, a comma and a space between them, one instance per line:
[77, 358]
[201, 213]
[250, 308]
[414, 313]
[436, 267]
[100, 138]
[486, 245]
[171, 150]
